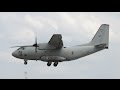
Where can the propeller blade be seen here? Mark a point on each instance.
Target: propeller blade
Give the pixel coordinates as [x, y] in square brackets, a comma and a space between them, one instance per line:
[22, 46]
[35, 45]
[36, 49]
[36, 40]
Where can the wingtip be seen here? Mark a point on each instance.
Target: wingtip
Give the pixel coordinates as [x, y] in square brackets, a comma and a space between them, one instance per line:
[106, 24]
[56, 34]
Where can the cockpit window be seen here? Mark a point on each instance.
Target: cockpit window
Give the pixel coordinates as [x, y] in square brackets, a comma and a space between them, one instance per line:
[22, 48]
[18, 49]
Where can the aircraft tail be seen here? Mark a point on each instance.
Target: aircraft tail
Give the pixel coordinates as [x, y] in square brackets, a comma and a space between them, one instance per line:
[101, 38]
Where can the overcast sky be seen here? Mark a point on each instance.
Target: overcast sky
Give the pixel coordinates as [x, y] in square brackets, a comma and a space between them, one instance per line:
[20, 28]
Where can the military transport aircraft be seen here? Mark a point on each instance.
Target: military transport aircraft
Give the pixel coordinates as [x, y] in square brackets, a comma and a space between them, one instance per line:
[55, 52]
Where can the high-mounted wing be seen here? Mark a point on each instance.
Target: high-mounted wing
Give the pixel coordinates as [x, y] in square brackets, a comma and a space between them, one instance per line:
[56, 41]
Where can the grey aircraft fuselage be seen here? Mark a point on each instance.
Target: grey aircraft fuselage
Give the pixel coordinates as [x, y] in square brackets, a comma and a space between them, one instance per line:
[53, 51]
[65, 53]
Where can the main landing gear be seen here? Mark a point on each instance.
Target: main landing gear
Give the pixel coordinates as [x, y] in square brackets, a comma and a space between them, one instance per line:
[55, 64]
[25, 62]
[49, 63]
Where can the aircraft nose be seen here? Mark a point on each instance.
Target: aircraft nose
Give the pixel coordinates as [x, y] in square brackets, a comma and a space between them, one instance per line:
[14, 54]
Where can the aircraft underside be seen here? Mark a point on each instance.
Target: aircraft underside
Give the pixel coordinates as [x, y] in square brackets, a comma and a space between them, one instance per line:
[50, 60]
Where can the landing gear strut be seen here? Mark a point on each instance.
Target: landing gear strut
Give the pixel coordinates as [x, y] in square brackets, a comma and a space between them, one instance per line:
[25, 62]
[55, 64]
[49, 63]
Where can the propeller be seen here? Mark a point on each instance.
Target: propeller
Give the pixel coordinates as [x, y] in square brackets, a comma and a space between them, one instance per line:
[34, 45]
[22, 46]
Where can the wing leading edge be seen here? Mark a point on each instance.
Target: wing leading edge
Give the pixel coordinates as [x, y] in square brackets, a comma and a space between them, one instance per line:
[56, 41]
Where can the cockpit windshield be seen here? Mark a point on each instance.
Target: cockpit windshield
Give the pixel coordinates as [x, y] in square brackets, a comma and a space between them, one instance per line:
[22, 48]
[18, 49]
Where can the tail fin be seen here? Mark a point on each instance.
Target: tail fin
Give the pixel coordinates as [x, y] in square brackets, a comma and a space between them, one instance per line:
[101, 38]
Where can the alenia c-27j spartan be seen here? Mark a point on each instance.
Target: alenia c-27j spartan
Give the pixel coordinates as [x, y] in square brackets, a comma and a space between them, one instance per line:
[55, 52]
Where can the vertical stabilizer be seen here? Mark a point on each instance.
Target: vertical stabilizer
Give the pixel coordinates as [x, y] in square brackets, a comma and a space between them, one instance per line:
[101, 38]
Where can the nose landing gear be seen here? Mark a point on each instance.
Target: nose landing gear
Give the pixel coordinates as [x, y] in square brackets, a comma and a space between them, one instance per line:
[25, 62]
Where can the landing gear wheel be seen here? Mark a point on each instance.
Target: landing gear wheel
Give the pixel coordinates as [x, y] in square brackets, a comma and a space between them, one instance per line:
[55, 64]
[25, 62]
[49, 63]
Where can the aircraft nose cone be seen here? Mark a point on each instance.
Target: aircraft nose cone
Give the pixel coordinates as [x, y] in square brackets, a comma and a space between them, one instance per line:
[14, 54]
